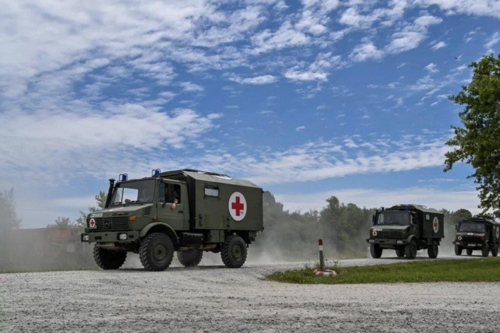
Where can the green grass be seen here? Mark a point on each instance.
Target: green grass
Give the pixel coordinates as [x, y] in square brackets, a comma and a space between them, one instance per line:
[470, 270]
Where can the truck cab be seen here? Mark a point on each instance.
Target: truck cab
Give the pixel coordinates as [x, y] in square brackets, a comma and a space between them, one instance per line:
[477, 233]
[183, 211]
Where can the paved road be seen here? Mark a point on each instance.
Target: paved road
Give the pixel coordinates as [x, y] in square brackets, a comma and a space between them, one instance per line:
[215, 299]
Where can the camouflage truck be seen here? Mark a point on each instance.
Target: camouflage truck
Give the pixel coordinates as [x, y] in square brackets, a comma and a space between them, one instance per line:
[406, 229]
[187, 211]
[477, 233]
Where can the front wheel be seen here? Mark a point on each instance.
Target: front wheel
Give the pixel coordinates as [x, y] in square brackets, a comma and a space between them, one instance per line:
[494, 250]
[156, 252]
[234, 252]
[411, 250]
[458, 250]
[375, 251]
[190, 258]
[469, 252]
[109, 259]
[433, 250]
[485, 250]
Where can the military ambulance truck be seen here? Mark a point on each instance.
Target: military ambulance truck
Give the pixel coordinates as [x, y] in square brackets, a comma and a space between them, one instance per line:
[187, 211]
[477, 233]
[406, 229]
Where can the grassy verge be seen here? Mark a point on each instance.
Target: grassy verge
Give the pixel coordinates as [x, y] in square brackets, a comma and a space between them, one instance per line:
[478, 270]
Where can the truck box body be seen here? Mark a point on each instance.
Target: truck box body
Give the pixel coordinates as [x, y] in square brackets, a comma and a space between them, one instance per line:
[210, 205]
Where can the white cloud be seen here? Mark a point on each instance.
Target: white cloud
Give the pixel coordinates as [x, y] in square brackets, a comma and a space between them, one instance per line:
[412, 35]
[285, 36]
[492, 41]
[316, 71]
[432, 68]
[263, 79]
[189, 86]
[300, 128]
[439, 45]
[470, 7]
[366, 51]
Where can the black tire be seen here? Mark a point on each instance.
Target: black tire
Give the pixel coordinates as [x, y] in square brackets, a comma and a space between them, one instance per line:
[485, 250]
[458, 250]
[109, 259]
[375, 251]
[411, 250]
[469, 252]
[494, 250]
[234, 252]
[156, 252]
[400, 252]
[190, 258]
[433, 250]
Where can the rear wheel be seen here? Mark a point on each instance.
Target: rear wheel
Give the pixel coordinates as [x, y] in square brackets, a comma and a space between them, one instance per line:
[469, 252]
[411, 250]
[109, 259]
[375, 251]
[458, 250]
[485, 250]
[156, 252]
[190, 258]
[433, 250]
[234, 252]
[400, 252]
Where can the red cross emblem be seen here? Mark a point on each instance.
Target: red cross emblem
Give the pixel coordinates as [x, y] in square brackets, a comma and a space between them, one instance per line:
[92, 224]
[237, 206]
[435, 225]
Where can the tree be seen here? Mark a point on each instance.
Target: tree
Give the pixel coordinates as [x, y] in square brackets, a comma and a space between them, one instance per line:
[63, 222]
[100, 199]
[8, 215]
[477, 143]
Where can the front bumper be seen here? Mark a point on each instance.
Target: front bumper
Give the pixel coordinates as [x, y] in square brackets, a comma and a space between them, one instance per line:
[469, 245]
[382, 241]
[109, 237]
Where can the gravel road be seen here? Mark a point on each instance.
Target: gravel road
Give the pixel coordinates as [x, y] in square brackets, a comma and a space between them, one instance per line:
[212, 298]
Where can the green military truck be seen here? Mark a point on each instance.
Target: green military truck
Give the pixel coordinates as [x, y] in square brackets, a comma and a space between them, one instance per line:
[477, 233]
[406, 229]
[187, 211]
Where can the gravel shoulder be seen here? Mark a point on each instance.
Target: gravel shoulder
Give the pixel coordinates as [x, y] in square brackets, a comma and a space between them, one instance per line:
[212, 298]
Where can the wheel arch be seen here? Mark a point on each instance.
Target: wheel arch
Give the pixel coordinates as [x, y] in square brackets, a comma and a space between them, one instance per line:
[161, 227]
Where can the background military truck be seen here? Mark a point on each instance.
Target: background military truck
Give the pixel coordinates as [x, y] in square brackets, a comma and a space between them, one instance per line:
[187, 211]
[406, 229]
[477, 233]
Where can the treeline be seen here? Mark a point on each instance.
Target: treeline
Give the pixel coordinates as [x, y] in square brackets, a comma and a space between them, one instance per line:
[287, 235]
[343, 228]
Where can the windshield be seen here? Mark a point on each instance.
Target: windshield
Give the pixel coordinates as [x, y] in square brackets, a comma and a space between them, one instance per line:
[471, 227]
[134, 192]
[393, 218]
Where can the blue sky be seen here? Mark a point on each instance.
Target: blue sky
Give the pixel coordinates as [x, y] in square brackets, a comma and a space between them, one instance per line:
[307, 99]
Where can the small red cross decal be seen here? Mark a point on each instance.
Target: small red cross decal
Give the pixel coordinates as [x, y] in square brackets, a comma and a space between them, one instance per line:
[237, 206]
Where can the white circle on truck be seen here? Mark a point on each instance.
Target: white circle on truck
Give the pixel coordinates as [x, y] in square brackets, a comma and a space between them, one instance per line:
[237, 206]
[92, 224]
[435, 224]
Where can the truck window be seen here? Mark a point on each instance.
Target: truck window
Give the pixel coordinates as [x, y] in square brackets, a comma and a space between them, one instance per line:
[170, 193]
[212, 191]
[472, 227]
[133, 192]
[393, 218]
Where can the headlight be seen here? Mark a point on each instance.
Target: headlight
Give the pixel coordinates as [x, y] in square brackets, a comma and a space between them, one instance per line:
[122, 237]
[85, 238]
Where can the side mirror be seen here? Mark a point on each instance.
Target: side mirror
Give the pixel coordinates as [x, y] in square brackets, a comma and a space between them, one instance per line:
[456, 227]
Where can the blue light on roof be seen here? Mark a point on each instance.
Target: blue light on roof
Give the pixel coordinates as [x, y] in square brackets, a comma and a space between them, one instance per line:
[123, 177]
[156, 172]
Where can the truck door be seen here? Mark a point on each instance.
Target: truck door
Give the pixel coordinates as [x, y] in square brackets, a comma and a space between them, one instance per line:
[171, 204]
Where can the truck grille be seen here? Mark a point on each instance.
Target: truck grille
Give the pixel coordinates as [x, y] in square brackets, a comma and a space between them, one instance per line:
[390, 234]
[472, 239]
[111, 223]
